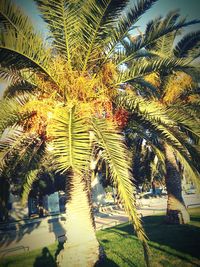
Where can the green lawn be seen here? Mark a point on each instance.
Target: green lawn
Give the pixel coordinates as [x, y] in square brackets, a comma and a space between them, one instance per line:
[170, 246]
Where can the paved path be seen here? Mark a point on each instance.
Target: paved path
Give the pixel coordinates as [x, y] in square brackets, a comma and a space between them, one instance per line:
[38, 233]
[146, 207]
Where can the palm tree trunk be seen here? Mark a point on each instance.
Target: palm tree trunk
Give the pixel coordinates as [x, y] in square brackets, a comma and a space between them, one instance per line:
[81, 248]
[176, 209]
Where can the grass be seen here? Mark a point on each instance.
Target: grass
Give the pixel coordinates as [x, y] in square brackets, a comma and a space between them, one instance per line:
[171, 245]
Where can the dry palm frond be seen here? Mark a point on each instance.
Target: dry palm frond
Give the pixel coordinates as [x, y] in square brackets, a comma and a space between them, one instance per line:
[176, 85]
[154, 79]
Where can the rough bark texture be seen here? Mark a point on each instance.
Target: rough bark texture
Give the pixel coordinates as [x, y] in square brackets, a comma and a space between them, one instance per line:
[81, 248]
[176, 209]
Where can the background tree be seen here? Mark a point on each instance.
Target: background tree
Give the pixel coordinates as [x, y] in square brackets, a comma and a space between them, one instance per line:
[171, 90]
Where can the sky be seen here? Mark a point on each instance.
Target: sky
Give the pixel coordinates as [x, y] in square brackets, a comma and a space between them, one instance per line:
[188, 8]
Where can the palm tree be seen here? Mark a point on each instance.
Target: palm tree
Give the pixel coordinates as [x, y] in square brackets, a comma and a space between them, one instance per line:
[175, 89]
[172, 91]
[59, 101]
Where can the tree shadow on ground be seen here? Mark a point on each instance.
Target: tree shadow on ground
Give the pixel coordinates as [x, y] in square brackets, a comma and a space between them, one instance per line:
[117, 256]
[182, 238]
[45, 259]
[11, 233]
[59, 248]
[195, 219]
[56, 227]
[106, 263]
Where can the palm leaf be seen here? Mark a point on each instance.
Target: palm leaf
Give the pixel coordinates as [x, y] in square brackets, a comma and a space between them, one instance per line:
[151, 111]
[194, 72]
[141, 68]
[184, 119]
[125, 24]
[136, 128]
[182, 149]
[164, 45]
[30, 178]
[188, 46]
[25, 54]
[164, 128]
[35, 156]
[14, 143]
[16, 81]
[10, 111]
[155, 29]
[20, 46]
[146, 88]
[19, 39]
[18, 88]
[190, 169]
[12, 17]
[100, 16]
[159, 27]
[71, 142]
[10, 75]
[9, 142]
[62, 21]
[108, 138]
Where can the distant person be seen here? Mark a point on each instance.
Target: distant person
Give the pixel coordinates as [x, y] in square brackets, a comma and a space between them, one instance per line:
[153, 187]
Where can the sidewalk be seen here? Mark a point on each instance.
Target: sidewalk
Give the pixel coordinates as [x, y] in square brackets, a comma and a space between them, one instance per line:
[146, 207]
[117, 216]
[41, 232]
[109, 219]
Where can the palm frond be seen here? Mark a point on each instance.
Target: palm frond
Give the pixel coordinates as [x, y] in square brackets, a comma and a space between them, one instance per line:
[165, 128]
[71, 143]
[146, 88]
[10, 75]
[30, 178]
[34, 161]
[18, 88]
[141, 68]
[182, 149]
[108, 138]
[125, 24]
[15, 80]
[9, 142]
[10, 111]
[20, 53]
[194, 72]
[163, 45]
[188, 46]
[100, 16]
[149, 110]
[155, 29]
[159, 27]
[62, 21]
[174, 138]
[12, 16]
[21, 150]
[184, 119]
[20, 46]
[137, 129]
[121, 55]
